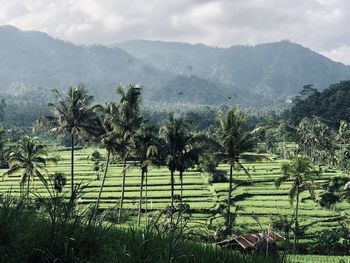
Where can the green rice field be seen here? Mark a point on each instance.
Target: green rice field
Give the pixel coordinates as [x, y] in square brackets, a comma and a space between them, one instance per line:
[257, 196]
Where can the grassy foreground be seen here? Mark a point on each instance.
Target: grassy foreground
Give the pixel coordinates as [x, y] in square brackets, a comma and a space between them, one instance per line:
[29, 234]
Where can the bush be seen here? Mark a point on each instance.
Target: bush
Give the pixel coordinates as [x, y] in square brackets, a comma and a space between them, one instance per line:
[333, 241]
[219, 176]
[208, 163]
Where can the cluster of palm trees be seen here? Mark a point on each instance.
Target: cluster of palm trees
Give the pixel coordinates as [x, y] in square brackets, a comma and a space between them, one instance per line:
[325, 145]
[315, 138]
[120, 128]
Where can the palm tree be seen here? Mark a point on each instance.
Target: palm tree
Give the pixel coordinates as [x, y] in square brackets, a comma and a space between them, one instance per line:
[315, 137]
[183, 148]
[147, 145]
[235, 141]
[284, 130]
[109, 138]
[301, 173]
[174, 132]
[72, 114]
[128, 121]
[30, 156]
[189, 150]
[343, 134]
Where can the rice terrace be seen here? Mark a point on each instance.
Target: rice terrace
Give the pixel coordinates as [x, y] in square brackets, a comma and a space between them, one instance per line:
[174, 132]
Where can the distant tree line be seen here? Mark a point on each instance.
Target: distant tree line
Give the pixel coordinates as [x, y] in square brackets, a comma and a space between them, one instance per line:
[331, 104]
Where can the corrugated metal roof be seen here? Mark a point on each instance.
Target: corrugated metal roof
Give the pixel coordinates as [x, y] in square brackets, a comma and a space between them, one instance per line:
[249, 240]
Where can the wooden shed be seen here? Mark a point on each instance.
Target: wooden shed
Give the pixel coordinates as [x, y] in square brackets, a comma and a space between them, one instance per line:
[248, 242]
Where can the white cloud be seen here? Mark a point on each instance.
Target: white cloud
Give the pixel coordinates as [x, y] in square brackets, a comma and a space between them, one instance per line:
[321, 25]
[341, 53]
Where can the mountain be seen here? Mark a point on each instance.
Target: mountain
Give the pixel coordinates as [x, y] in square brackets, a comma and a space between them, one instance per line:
[267, 73]
[36, 59]
[178, 88]
[169, 72]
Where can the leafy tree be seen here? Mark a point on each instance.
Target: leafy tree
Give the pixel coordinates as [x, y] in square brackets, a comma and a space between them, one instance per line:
[208, 162]
[302, 174]
[3, 149]
[339, 237]
[331, 104]
[97, 167]
[59, 181]
[72, 114]
[235, 141]
[2, 109]
[30, 157]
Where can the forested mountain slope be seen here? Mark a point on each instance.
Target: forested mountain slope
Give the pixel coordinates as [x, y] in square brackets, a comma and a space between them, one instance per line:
[272, 72]
[169, 72]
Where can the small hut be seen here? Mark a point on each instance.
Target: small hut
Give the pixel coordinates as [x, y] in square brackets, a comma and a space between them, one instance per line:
[264, 242]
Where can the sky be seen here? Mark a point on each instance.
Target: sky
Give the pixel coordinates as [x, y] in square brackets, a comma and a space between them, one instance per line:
[322, 25]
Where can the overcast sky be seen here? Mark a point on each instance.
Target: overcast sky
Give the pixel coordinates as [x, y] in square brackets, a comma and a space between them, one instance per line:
[322, 25]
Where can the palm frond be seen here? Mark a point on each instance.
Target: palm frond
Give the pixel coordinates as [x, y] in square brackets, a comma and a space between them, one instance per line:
[281, 180]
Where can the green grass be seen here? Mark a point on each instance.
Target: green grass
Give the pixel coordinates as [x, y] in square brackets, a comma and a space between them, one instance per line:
[29, 236]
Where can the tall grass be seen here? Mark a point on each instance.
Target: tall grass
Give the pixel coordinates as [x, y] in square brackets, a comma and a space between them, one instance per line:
[53, 230]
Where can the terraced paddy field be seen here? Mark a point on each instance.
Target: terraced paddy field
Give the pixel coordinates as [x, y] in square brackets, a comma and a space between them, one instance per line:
[260, 197]
[256, 196]
[317, 259]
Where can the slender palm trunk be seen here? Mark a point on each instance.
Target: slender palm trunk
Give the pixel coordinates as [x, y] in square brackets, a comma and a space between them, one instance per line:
[228, 218]
[341, 155]
[72, 165]
[21, 189]
[296, 220]
[28, 181]
[172, 181]
[102, 185]
[181, 185]
[123, 192]
[146, 196]
[140, 199]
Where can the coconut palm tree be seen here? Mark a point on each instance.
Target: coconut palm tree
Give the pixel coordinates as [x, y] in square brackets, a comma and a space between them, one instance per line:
[128, 121]
[30, 157]
[343, 135]
[147, 145]
[71, 114]
[301, 173]
[109, 138]
[235, 141]
[175, 134]
[192, 146]
[315, 137]
[284, 132]
[182, 147]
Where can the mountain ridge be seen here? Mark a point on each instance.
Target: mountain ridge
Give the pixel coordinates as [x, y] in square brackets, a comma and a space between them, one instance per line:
[264, 74]
[266, 70]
